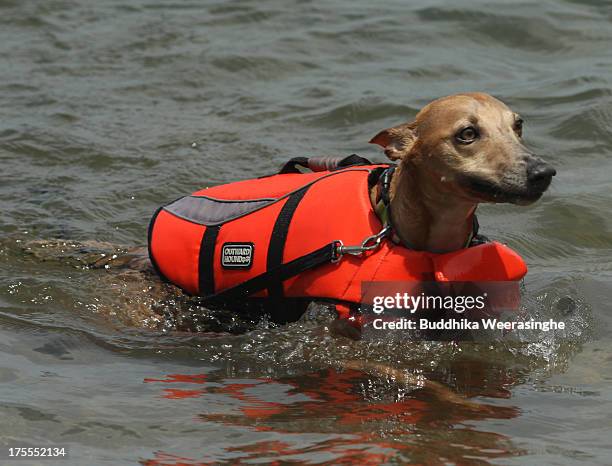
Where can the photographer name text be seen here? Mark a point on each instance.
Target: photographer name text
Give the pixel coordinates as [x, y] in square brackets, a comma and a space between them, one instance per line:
[467, 324]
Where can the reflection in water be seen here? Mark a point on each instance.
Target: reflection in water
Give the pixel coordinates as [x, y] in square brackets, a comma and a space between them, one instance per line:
[365, 420]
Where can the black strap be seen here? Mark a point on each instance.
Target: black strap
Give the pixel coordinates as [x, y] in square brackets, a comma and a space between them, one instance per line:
[279, 237]
[291, 165]
[477, 238]
[375, 175]
[317, 164]
[384, 185]
[278, 274]
[206, 265]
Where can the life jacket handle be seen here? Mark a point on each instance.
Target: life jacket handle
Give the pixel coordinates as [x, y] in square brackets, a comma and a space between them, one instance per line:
[321, 164]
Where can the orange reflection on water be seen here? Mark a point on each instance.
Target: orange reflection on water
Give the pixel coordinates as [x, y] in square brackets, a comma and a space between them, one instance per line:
[180, 378]
[355, 419]
[178, 393]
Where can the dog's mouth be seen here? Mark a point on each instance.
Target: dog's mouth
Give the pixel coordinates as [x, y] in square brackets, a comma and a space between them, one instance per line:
[488, 191]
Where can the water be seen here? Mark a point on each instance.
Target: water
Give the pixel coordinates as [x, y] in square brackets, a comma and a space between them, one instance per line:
[111, 108]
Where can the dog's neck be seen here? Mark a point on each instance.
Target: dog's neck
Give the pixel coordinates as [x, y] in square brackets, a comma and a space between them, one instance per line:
[426, 216]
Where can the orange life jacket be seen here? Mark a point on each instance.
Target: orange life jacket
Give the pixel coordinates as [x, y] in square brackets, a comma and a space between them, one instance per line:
[278, 236]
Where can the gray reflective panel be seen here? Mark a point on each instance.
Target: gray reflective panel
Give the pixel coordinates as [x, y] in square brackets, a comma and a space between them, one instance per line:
[207, 211]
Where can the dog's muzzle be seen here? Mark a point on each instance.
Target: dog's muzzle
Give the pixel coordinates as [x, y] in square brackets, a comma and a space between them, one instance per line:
[539, 175]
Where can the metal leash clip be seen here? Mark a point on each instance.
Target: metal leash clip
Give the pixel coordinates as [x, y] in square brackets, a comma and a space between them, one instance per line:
[368, 244]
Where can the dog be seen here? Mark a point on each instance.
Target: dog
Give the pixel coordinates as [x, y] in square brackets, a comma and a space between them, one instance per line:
[460, 151]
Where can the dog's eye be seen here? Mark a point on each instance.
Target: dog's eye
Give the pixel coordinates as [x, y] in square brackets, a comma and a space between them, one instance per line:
[467, 135]
[518, 127]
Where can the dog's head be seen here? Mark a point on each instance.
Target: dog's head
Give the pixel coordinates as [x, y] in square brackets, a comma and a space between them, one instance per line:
[471, 144]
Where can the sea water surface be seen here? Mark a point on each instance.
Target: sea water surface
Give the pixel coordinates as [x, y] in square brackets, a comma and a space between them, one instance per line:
[110, 108]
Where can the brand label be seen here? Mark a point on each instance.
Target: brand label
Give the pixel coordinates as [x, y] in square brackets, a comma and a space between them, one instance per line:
[237, 255]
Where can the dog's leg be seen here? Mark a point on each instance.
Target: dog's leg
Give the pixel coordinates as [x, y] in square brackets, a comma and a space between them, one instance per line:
[343, 328]
[136, 258]
[440, 391]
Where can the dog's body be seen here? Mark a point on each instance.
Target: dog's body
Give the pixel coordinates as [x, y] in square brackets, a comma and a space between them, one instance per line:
[459, 151]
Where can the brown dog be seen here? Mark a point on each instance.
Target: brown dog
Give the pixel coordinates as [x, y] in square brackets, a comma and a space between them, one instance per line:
[459, 151]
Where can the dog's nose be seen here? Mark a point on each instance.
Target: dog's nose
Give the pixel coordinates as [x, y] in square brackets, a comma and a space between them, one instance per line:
[540, 173]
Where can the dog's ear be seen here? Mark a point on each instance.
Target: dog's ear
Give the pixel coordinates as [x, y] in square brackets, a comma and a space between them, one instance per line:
[396, 141]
